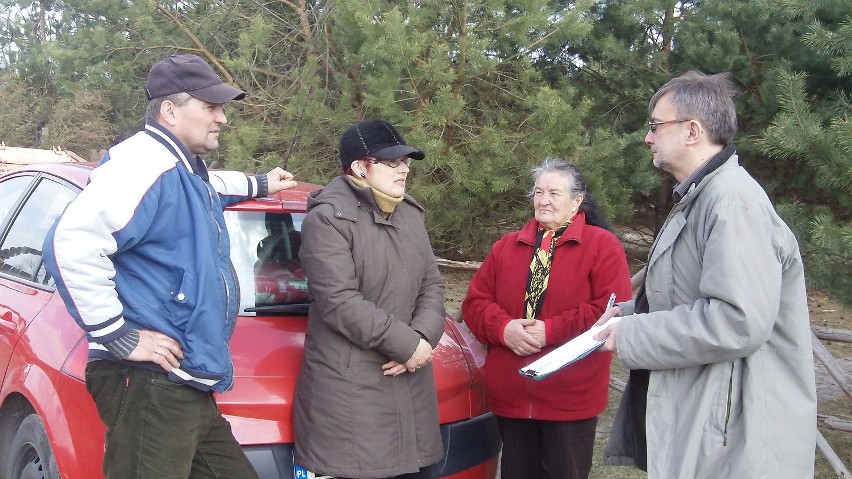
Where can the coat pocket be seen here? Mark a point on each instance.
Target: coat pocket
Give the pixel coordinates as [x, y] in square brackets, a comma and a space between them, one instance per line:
[727, 405]
[180, 299]
[107, 383]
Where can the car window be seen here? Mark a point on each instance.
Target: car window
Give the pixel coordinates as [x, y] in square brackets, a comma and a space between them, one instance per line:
[10, 191]
[265, 253]
[20, 251]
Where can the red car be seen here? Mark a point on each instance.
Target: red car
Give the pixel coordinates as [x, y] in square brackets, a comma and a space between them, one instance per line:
[49, 427]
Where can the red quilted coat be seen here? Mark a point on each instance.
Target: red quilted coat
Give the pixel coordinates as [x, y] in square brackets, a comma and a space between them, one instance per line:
[588, 264]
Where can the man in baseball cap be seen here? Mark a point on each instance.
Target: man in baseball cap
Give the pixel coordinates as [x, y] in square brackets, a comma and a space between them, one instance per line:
[139, 262]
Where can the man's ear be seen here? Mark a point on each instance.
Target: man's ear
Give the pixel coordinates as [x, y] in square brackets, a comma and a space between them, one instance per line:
[167, 113]
[695, 132]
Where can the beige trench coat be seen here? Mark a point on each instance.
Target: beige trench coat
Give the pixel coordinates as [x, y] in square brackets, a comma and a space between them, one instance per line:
[375, 291]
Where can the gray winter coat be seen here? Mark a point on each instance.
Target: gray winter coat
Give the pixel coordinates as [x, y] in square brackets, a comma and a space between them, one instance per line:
[375, 289]
[727, 341]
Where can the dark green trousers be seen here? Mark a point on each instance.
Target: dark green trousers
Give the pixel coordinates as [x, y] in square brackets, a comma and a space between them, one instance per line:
[157, 429]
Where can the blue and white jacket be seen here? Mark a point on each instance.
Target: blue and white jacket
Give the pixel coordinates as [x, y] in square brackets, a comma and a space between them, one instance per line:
[144, 246]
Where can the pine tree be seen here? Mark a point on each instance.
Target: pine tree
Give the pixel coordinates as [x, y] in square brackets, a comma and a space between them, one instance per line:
[18, 125]
[629, 53]
[455, 77]
[638, 45]
[458, 78]
[487, 87]
[815, 132]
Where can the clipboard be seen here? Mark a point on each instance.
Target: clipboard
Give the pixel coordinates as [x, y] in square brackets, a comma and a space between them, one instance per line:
[569, 353]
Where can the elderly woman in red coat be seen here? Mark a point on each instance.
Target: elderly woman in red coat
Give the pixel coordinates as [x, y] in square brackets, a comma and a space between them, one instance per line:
[538, 288]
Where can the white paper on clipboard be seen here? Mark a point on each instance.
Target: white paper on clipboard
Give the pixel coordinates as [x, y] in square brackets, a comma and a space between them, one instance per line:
[570, 352]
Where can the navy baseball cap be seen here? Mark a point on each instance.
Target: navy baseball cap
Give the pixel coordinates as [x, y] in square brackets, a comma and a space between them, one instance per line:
[190, 74]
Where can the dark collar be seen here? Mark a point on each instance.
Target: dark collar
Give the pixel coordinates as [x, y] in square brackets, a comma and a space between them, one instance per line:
[194, 163]
[719, 159]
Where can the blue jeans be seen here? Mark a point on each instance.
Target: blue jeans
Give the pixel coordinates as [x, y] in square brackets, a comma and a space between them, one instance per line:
[157, 429]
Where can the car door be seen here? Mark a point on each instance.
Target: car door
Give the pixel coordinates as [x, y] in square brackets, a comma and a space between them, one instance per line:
[11, 193]
[29, 204]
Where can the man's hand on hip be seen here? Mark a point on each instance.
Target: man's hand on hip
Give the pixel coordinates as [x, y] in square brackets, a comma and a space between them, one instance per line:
[158, 348]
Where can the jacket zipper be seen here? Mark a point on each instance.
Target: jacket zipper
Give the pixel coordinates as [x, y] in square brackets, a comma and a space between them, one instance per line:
[219, 253]
[728, 405]
[228, 326]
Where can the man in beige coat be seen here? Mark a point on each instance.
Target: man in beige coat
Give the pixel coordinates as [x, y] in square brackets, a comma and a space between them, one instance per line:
[718, 338]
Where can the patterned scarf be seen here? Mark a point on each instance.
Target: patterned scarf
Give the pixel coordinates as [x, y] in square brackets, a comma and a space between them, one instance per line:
[542, 259]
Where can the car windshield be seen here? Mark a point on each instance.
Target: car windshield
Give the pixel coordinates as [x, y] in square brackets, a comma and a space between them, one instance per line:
[265, 253]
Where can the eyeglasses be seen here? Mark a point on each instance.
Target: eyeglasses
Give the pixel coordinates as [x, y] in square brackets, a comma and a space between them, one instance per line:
[654, 124]
[394, 163]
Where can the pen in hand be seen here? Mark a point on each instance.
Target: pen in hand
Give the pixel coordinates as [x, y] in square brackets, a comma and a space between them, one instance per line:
[610, 303]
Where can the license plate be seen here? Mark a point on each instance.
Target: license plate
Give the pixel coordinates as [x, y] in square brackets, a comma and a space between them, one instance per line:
[300, 472]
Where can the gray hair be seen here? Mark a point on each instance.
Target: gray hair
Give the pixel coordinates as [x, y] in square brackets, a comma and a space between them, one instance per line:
[152, 111]
[576, 184]
[706, 98]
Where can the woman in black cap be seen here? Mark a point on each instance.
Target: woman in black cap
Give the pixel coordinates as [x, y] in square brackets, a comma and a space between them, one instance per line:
[365, 403]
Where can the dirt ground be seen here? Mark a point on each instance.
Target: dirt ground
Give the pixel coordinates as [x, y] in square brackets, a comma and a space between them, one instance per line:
[832, 401]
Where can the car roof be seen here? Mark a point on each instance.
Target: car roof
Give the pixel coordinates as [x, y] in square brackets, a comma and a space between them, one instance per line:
[77, 173]
[291, 200]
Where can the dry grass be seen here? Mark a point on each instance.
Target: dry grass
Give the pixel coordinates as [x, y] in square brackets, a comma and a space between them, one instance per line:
[832, 401]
